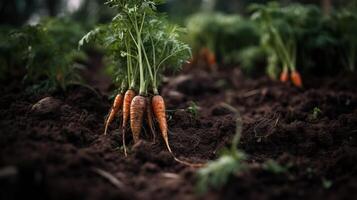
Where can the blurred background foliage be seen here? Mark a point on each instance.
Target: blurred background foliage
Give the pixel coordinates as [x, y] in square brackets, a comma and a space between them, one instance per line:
[220, 32]
[90, 12]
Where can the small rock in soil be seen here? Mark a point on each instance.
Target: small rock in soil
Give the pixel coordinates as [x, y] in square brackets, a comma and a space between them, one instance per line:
[175, 96]
[150, 167]
[46, 105]
[180, 79]
[194, 85]
[219, 110]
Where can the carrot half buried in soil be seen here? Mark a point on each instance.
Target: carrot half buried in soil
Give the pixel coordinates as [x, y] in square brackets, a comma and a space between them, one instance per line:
[296, 78]
[284, 76]
[159, 110]
[118, 101]
[211, 58]
[137, 110]
[128, 97]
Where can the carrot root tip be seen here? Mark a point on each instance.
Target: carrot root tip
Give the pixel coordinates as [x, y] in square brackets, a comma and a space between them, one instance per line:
[123, 140]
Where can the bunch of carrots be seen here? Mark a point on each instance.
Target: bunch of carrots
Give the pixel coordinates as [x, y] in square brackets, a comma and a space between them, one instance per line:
[279, 41]
[294, 77]
[141, 44]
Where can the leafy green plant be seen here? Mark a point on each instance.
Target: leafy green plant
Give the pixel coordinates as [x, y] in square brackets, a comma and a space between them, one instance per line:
[274, 167]
[193, 109]
[231, 161]
[47, 51]
[198, 24]
[301, 36]
[251, 58]
[315, 113]
[11, 53]
[345, 21]
[279, 37]
[223, 34]
[140, 44]
[326, 184]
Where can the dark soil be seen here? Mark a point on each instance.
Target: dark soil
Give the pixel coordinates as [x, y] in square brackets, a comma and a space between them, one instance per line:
[52, 145]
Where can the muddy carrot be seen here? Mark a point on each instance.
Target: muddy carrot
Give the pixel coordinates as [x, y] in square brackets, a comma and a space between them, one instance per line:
[128, 97]
[296, 78]
[137, 110]
[149, 117]
[159, 110]
[284, 76]
[118, 101]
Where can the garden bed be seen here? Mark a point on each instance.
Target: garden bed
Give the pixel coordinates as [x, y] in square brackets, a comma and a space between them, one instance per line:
[58, 150]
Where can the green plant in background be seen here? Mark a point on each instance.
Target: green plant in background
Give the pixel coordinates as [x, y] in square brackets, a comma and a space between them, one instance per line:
[225, 35]
[292, 36]
[235, 34]
[198, 24]
[278, 38]
[317, 43]
[11, 53]
[301, 35]
[250, 59]
[345, 21]
[178, 10]
[231, 161]
[92, 12]
[45, 52]
[315, 113]
[49, 52]
[272, 69]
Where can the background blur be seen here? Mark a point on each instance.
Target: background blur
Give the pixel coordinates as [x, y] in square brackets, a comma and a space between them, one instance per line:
[89, 12]
[316, 36]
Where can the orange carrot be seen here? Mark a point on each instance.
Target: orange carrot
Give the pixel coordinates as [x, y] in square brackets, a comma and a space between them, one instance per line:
[137, 109]
[128, 97]
[149, 118]
[284, 76]
[211, 58]
[159, 109]
[296, 78]
[118, 101]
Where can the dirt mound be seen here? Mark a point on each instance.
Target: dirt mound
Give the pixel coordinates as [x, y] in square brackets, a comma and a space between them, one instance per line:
[52, 145]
